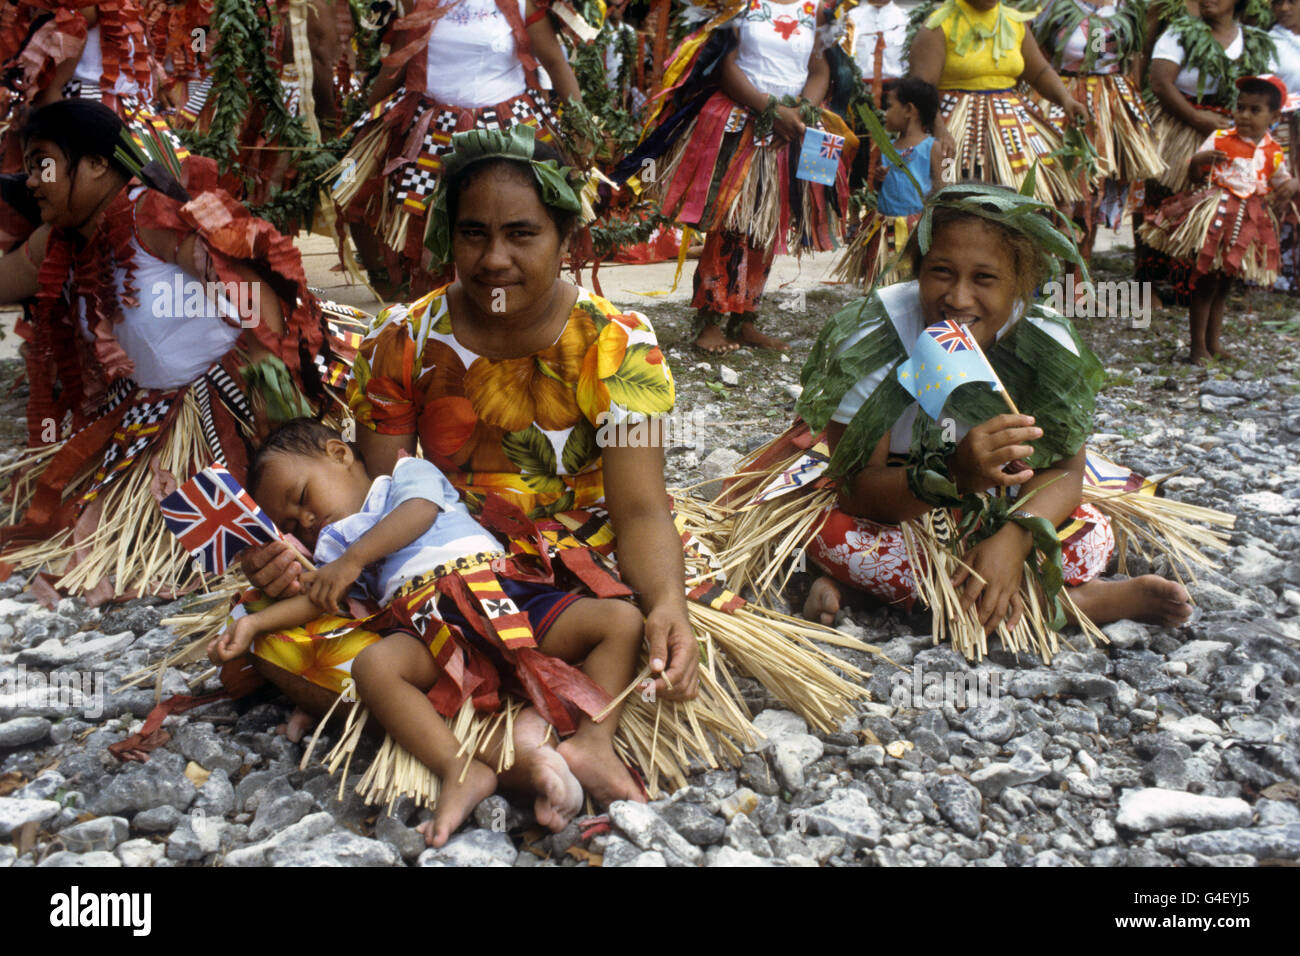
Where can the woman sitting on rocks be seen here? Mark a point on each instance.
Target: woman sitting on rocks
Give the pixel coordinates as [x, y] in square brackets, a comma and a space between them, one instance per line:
[895, 463]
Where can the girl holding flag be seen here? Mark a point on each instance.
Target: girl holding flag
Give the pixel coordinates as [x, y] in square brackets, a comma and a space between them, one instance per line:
[907, 445]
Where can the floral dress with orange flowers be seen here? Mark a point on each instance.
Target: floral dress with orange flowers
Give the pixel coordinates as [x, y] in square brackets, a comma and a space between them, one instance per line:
[524, 428]
[528, 431]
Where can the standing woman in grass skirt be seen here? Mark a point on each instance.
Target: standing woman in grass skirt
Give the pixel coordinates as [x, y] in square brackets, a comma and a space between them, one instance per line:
[453, 66]
[1097, 49]
[977, 54]
[725, 135]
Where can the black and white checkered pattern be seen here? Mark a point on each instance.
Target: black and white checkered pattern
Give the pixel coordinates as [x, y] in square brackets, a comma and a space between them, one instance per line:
[444, 122]
[416, 182]
[488, 119]
[204, 399]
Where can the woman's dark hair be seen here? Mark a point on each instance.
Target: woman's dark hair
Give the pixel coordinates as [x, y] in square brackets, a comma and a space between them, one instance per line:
[462, 179]
[300, 436]
[911, 91]
[79, 128]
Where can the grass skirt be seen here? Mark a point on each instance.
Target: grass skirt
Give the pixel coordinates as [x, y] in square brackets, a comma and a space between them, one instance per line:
[1120, 130]
[999, 134]
[778, 499]
[1220, 232]
[1178, 143]
[388, 177]
[719, 175]
[666, 739]
[866, 260]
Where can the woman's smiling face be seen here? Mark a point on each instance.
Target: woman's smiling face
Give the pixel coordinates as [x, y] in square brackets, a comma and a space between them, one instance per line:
[969, 277]
[505, 244]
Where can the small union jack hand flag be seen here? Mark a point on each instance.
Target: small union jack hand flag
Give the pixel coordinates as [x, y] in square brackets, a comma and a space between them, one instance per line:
[215, 519]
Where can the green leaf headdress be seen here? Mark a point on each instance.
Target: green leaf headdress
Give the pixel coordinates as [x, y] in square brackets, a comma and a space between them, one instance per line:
[516, 143]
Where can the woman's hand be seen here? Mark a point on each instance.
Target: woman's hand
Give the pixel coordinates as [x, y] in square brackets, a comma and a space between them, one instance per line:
[328, 585]
[1000, 561]
[273, 569]
[788, 125]
[1076, 112]
[1209, 122]
[980, 458]
[1199, 166]
[674, 652]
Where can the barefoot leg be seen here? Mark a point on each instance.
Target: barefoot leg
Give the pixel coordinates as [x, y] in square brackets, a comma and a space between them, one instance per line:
[540, 772]
[1150, 599]
[711, 341]
[750, 335]
[393, 678]
[823, 601]
[607, 637]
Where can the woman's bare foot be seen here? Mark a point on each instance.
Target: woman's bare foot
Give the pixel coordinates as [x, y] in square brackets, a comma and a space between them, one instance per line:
[750, 335]
[593, 761]
[712, 341]
[823, 601]
[299, 723]
[1150, 599]
[557, 794]
[456, 801]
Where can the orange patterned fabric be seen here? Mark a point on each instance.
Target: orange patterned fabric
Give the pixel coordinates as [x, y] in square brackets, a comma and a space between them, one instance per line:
[525, 428]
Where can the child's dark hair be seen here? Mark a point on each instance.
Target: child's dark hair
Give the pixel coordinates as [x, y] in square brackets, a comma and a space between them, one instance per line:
[911, 91]
[459, 181]
[79, 128]
[301, 436]
[1258, 87]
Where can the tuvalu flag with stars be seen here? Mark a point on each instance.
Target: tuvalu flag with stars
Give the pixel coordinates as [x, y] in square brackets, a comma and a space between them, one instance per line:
[944, 358]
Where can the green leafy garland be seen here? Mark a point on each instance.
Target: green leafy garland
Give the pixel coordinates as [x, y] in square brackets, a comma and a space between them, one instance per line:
[603, 96]
[1062, 19]
[1203, 52]
[243, 74]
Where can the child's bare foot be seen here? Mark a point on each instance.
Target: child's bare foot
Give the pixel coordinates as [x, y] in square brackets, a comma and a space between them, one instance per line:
[598, 769]
[712, 341]
[750, 335]
[823, 601]
[299, 723]
[1150, 599]
[1196, 358]
[457, 800]
[556, 791]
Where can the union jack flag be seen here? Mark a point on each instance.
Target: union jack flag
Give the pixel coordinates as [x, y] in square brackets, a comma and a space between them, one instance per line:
[831, 147]
[951, 336]
[215, 518]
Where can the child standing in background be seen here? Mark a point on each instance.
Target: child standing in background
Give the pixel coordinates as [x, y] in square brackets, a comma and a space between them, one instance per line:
[910, 109]
[1227, 227]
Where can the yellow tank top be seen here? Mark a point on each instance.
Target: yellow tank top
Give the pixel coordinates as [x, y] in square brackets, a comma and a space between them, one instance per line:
[975, 67]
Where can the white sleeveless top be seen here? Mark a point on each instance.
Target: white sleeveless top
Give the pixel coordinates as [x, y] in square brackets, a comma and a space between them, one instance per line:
[90, 68]
[1170, 47]
[471, 60]
[776, 43]
[176, 332]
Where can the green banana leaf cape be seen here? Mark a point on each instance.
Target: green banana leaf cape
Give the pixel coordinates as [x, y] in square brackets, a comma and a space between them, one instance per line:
[1041, 360]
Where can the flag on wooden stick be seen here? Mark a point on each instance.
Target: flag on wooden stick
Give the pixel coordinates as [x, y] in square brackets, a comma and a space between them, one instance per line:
[215, 518]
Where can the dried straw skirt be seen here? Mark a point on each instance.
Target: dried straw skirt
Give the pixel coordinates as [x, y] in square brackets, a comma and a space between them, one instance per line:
[719, 175]
[1220, 232]
[1120, 130]
[999, 134]
[867, 259]
[1178, 143]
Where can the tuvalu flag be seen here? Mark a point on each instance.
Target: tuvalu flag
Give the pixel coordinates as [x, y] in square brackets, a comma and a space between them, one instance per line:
[944, 358]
